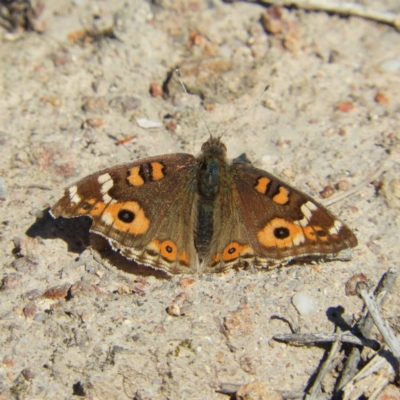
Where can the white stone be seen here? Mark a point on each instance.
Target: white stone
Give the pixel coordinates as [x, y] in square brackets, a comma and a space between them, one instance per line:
[304, 304]
[391, 65]
[148, 123]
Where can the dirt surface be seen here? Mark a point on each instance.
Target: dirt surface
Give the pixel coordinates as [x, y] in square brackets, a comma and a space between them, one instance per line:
[71, 95]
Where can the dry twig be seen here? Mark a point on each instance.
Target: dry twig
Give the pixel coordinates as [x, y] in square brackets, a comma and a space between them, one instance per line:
[379, 366]
[387, 164]
[306, 339]
[384, 328]
[340, 8]
[315, 389]
[230, 389]
[364, 327]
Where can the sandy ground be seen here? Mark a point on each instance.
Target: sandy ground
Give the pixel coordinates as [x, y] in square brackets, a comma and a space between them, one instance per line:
[70, 93]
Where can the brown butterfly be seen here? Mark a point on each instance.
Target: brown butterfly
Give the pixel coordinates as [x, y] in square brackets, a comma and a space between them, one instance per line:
[185, 214]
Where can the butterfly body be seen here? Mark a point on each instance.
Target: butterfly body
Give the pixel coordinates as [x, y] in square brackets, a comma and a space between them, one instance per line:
[186, 214]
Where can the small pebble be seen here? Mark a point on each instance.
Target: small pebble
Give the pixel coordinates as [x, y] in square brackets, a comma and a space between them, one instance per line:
[30, 309]
[391, 192]
[304, 304]
[148, 123]
[346, 106]
[382, 98]
[11, 281]
[27, 374]
[3, 189]
[8, 362]
[17, 242]
[57, 292]
[124, 289]
[139, 291]
[156, 89]
[392, 65]
[24, 265]
[93, 104]
[256, 391]
[85, 316]
[327, 192]
[343, 185]
[125, 103]
[40, 317]
[174, 310]
[94, 122]
[351, 284]
[185, 282]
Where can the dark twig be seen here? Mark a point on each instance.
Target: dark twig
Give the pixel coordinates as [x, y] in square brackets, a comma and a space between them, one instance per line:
[344, 195]
[230, 389]
[381, 366]
[384, 328]
[314, 391]
[34, 186]
[341, 8]
[293, 329]
[364, 327]
[304, 339]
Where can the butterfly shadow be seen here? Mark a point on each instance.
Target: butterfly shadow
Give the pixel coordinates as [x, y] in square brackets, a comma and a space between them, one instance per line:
[75, 232]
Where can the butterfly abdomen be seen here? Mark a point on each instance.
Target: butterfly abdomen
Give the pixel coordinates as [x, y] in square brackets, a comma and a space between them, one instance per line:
[208, 180]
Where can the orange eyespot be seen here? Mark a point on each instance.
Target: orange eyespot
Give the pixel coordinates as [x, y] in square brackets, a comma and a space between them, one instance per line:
[167, 249]
[234, 250]
[126, 217]
[281, 233]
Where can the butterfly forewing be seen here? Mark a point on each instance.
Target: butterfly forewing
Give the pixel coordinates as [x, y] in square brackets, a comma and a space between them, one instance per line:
[284, 223]
[142, 208]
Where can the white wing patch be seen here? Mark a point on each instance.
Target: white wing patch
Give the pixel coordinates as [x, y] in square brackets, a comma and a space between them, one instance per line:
[73, 194]
[106, 184]
[334, 230]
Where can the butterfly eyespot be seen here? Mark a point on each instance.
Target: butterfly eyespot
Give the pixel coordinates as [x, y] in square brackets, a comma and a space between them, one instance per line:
[86, 206]
[233, 251]
[168, 249]
[281, 232]
[321, 233]
[126, 216]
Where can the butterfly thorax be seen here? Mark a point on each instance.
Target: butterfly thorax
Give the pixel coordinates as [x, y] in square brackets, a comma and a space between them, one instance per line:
[212, 166]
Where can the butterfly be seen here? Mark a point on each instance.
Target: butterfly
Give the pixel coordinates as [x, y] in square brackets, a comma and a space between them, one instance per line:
[191, 215]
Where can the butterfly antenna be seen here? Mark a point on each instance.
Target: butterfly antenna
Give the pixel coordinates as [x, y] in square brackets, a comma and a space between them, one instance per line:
[246, 110]
[178, 75]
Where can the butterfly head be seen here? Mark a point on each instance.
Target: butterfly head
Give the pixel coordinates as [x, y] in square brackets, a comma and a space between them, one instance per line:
[214, 148]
